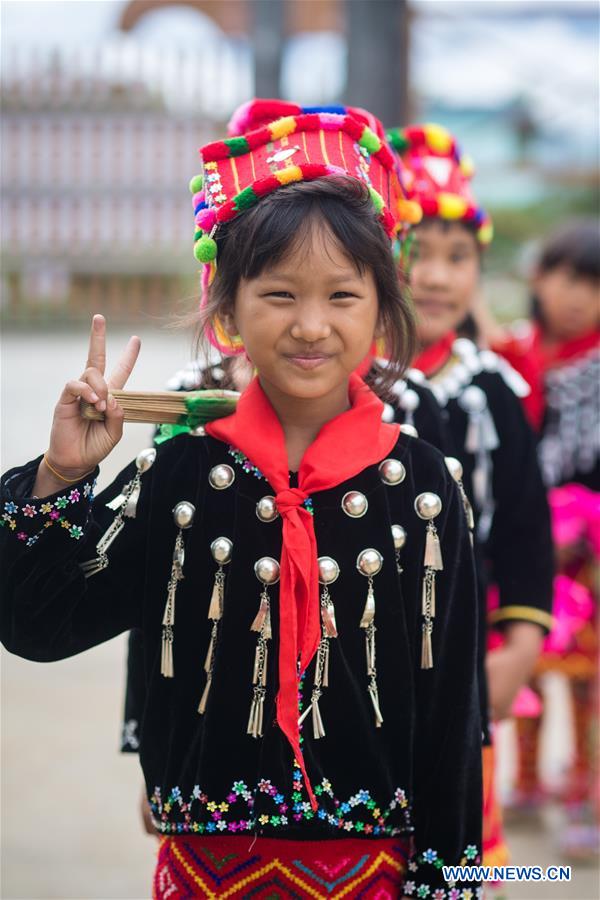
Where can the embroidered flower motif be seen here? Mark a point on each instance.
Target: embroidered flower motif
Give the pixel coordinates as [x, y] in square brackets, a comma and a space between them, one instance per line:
[276, 819]
[74, 496]
[467, 894]
[409, 888]
[29, 511]
[412, 866]
[471, 851]
[61, 502]
[54, 515]
[423, 890]
[46, 508]
[454, 894]
[76, 532]
[430, 855]
[21, 536]
[11, 508]
[438, 894]
[87, 489]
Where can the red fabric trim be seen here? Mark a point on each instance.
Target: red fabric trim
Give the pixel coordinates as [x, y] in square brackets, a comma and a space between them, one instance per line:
[429, 206]
[433, 358]
[261, 188]
[258, 138]
[385, 157]
[345, 446]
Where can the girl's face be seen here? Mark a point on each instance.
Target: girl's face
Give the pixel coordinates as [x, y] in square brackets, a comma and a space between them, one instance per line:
[569, 303]
[444, 276]
[308, 321]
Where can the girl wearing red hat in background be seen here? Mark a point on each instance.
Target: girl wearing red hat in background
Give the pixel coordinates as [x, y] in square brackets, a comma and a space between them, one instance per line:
[493, 443]
[301, 570]
[558, 353]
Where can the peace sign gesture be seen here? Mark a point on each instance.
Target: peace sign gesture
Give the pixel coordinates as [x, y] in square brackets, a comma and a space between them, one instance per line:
[77, 445]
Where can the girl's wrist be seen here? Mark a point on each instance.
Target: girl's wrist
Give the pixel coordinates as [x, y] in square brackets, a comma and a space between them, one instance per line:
[46, 483]
[62, 474]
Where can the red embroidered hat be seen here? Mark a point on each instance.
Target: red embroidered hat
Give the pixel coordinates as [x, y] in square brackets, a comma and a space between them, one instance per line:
[302, 146]
[436, 174]
[259, 112]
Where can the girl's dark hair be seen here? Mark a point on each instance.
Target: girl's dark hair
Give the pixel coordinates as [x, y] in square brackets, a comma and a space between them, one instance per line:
[260, 237]
[576, 246]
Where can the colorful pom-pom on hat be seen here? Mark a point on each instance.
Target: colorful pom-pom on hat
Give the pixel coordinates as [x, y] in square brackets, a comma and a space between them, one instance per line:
[436, 175]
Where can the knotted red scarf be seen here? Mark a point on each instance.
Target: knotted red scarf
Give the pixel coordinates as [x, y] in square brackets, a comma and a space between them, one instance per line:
[344, 446]
[432, 358]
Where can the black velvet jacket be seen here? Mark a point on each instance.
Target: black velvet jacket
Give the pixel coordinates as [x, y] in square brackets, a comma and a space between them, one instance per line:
[419, 774]
[408, 395]
[515, 541]
[503, 483]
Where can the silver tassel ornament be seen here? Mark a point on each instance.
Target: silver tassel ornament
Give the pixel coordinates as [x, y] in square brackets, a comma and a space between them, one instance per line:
[427, 507]
[126, 505]
[369, 564]
[183, 516]
[220, 549]
[266, 570]
[329, 572]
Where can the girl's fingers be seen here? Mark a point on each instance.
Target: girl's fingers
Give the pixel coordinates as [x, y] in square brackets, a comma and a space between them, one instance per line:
[75, 390]
[124, 367]
[97, 348]
[98, 384]
[113, 419]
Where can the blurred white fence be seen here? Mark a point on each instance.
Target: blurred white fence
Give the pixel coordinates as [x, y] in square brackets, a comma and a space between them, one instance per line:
[97, 151]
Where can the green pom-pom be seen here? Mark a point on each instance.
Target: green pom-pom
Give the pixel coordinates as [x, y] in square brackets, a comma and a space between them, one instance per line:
[399, 142]
[377, 199]
[205, 250]
[370, 141]
[196, 184]
[245, 199]
[237, 146]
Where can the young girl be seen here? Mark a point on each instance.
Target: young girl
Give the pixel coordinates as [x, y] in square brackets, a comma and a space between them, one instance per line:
[492, 441]
[558, 352]
[301, 573]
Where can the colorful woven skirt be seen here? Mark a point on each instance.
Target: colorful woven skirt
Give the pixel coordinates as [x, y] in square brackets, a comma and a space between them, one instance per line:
[261, 868]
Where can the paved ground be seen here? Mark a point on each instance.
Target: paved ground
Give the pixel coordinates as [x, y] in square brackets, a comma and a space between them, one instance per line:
[70, 826]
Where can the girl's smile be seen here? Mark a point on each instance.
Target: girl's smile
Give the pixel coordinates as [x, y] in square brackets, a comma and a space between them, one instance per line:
[308, 360]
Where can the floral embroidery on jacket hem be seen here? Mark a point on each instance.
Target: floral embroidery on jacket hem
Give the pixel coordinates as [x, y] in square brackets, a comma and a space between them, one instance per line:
[360, 814]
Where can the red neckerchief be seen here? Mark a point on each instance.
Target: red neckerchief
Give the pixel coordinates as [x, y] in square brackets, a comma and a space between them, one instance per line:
[344, 446]
[435, 356]
[553, 355]
[532, 359]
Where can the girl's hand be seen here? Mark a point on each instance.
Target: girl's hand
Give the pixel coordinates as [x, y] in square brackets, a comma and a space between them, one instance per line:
[511, 666]
[77, 445]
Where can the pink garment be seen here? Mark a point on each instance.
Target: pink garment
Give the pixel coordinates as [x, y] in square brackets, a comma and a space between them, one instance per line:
[575, 516]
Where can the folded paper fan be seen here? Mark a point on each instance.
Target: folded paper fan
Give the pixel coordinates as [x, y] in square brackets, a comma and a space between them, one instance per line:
[188, 409]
